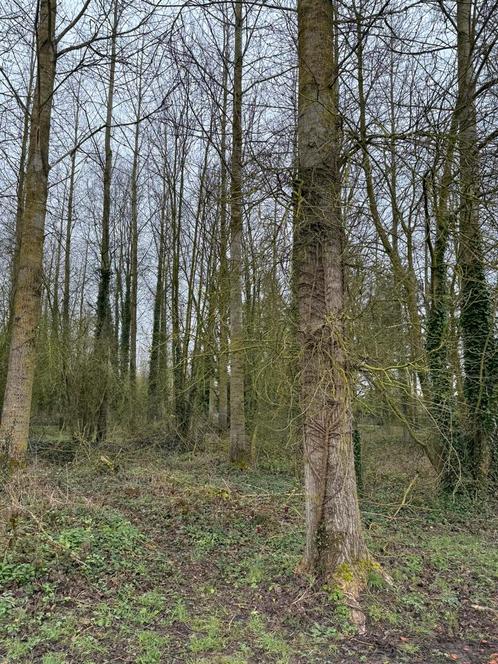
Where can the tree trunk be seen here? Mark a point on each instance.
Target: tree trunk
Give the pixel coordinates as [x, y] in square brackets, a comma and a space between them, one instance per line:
[176, 209]
[240, 452]
[335, 549]
[103, 332]
[479, 345]
[134, 249]
[68, 239]
[20, 193]
[159, 339]
[14, 429]
[223, 286]
[437, 335]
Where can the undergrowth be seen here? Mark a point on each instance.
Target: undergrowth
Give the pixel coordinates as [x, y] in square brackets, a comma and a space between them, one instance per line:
[143, 557]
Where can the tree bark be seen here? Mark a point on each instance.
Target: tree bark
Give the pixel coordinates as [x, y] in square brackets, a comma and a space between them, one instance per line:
[479, 344]
[69, 232]
[103, 332]
[14, 428]
[134, 248]
[157, 378]
[223, 280]
[335, 549]
[20, 193]
[240, 453]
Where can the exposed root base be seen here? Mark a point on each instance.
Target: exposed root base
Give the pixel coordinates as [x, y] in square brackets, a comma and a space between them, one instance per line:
[350, 579]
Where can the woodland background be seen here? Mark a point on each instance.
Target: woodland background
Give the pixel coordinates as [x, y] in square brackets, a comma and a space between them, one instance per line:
[166, 421]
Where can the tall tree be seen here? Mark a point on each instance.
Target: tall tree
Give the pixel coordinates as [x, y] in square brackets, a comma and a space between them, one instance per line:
[103, 331]
[240, 452]
[223, 281]
[134, 239]
[20, 193]
[159, 339]
[14, 428]
[335, 548]
[479, 345]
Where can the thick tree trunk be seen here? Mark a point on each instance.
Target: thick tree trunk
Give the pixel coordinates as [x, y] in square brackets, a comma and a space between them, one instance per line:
[240, 452]
[335, 549]
[479, 345]
[14, 429]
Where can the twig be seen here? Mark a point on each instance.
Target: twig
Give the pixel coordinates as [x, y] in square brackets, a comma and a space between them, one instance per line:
[405, 496]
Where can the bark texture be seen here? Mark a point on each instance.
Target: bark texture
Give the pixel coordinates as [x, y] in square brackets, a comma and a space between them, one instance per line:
[103, 328]
[223, 286]
[14, 428]
[240, 453]
[479, 345]
[335, 548]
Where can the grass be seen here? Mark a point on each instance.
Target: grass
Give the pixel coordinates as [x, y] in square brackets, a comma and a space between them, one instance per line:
[184, 559]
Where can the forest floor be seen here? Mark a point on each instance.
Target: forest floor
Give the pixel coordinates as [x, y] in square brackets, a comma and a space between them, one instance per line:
[147, 557]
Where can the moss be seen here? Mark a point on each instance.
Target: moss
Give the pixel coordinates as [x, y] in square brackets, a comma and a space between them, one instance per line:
[344, 573]
[354, 577]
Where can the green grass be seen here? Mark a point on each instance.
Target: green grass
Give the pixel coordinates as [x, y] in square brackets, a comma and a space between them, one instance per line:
[185, 559]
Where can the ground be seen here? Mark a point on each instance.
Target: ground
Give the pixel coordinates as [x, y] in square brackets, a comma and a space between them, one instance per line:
[144, 556]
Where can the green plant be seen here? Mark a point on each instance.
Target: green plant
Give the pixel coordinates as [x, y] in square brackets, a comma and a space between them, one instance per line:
[18, 572]
[151, 646]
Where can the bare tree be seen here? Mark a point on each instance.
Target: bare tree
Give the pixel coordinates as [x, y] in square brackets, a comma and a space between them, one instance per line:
[335, 548]
[16, 410]
[240, 452]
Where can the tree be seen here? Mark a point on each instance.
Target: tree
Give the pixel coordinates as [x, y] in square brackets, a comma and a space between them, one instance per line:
[479, 345]
[158, 349]
[14, 428]
[103, 329]
[223, 270]
[240, 452]
[335, 548]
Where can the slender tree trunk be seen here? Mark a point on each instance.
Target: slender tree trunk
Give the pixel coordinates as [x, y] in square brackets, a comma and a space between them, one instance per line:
[240, 452]
[122, 305]
[57, 269]
[68, 239]
[176, 195]
[335, 548]
[158, 350]
[224, 285]
[134, 250]
[66, 294]
[14, 428]
[22, 175]
[155, 403]
[81, 308]
[103, 331]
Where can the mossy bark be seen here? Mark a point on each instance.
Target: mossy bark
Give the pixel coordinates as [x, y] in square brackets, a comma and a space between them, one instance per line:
[476, 319]
[334, 534]
[103, 329]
